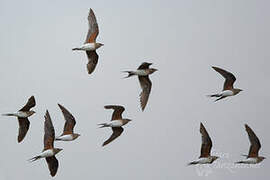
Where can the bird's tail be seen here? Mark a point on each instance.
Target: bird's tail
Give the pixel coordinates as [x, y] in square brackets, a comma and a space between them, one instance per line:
[240, 162]
[34, 158]
[9, 114]
[214, 95]
[193, 163]
[102, 125]
[76, 49]
[130, 73]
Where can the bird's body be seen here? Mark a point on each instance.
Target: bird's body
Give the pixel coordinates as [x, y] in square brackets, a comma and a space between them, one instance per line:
[205, 157]
[143, 73]
[255, 145]
[67, 137]
[22, 116]
[68, 134]
[228, 89]
[204, 160]
[49, 151]
[90, 45]
[116, 122]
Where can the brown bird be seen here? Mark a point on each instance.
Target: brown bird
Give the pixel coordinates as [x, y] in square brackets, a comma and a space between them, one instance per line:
[22, 116]
[90, 45]
[253, 155]
[49, 151]
[116, 122]
[205, 157]
[67, 134]
[228, 89]
[143, 73]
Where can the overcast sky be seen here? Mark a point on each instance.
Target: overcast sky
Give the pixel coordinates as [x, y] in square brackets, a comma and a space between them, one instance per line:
[183, 39]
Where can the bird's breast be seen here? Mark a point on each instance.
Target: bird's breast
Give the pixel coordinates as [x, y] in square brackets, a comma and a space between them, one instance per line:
[89, 47]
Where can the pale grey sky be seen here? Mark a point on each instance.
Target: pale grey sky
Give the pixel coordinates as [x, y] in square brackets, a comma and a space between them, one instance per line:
[183, 39]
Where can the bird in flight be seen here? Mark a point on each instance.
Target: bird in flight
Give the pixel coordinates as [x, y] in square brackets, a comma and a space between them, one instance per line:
[67, 134]
[22, 116]
[253, 155]
[116, 122]
[90, 45]
[49, 151]
[205, 157]
[228, 89]
[143, 73]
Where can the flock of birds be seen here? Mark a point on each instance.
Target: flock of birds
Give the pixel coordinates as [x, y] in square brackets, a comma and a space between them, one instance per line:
[117, 122]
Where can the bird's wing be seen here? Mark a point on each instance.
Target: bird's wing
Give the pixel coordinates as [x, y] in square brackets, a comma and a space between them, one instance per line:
[117, 131]
[146, 86]
[254, 141]
[30, 103]
[70, 120]
[23, 128]
[92, 61]
[229, 78]
[144, 65]
[49, 132]
[52, 165]
[206, 142]
[93, 28]
[117, 113]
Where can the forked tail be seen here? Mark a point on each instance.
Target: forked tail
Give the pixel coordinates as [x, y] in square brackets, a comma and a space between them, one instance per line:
[130, 73]
[8, 114]
[193, 163]
[34, 158]
[102, 125]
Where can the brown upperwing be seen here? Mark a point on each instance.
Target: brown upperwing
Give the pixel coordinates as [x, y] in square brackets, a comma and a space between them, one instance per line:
[23, 128]
[229, 78]
[70, 120]
[117, 113]
[206, 142]
[254, 141]
[146, 86]
[93, 28]
[144, 65]
[49, 132]
[30, 103]
[52, 165]
[92, 61]
[117, 131]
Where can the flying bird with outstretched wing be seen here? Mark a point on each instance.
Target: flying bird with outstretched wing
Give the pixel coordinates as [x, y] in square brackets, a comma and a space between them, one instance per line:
[49, 151]
[143, 73]
[90, 45]
[205, 157]
[255, 145]
[228, 89]
[22, 116]
[116, 122]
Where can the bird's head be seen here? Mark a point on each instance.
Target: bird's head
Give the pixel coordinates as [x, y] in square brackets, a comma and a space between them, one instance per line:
[76, 135]
[31, 113]
[57, 150]
[214, 158]
[152, 70]
[237, 91]
[99, 45]
[126, 121]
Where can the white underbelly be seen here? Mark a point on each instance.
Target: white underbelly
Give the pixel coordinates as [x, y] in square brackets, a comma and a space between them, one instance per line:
[141, 73]
[250, 161]
[204, 161]
[21, 114]
[67, 137]
[88, 47]
[227, 93]
[116, 123]
[47, 153]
